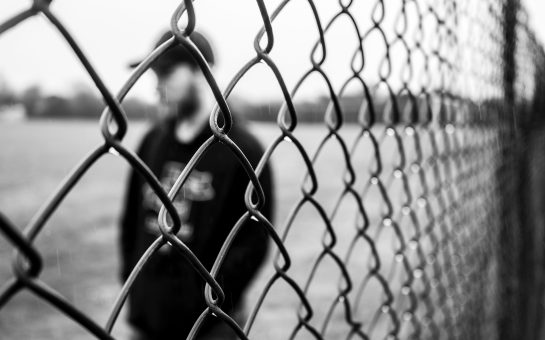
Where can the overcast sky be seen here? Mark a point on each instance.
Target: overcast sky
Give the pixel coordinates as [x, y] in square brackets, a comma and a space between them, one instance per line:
[115, 32]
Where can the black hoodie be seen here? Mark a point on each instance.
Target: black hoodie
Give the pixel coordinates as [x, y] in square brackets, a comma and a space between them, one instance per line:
[168, 294]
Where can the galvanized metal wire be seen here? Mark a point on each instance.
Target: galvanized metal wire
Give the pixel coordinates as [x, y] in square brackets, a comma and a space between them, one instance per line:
[438, 135]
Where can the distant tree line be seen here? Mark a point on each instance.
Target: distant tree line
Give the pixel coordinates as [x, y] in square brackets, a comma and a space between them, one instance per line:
[307, 111]
[352, 107]
[85, 104]
[82, 104]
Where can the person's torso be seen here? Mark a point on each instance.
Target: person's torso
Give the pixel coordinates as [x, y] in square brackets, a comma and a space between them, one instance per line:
[169, 290]
[200, 201]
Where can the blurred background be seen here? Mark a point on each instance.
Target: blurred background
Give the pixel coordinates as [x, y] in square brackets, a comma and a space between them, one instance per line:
[40, 77]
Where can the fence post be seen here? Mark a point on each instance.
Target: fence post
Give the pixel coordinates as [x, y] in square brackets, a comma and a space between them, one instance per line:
[508, 184]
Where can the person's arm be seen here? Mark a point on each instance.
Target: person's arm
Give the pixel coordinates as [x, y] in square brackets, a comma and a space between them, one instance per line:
[129, 215]
[128, 224]
[251, 244]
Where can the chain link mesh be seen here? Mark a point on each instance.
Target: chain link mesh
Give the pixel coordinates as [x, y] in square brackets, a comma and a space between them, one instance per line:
[429, 177]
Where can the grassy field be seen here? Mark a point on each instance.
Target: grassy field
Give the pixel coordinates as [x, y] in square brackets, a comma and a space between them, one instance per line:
[79, 243]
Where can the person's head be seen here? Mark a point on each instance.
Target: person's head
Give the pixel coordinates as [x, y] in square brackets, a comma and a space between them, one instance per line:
[181, 85]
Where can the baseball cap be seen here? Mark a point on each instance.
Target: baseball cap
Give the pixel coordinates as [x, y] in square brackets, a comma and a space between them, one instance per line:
[178, 54]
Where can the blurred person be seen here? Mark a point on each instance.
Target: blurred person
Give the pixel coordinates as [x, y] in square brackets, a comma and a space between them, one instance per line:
[168, 295]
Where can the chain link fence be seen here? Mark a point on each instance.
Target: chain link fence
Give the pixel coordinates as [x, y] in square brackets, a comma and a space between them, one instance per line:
[443, 179]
